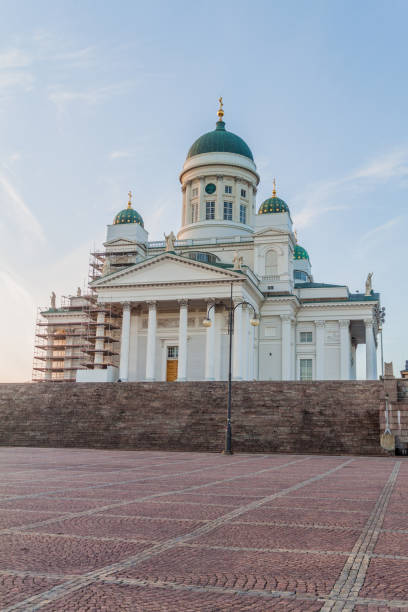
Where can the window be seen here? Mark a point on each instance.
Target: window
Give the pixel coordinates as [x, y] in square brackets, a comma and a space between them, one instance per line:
[195, 192]
[243, 193]
[242, 213]
[306, 336]
[172, 352]
[228, 189]
[306, 369]
[228, 211]
[210, 210]
[194, 213]
[200, 256]
[300, 275]
[271, 263]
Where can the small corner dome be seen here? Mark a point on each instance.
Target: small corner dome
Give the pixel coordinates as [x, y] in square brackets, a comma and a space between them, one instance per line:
[300, 253]
[128, 215]
[273, 205]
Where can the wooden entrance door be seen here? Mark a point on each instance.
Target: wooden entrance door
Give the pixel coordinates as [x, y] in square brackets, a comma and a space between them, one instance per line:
[172, 363]
[171, 373]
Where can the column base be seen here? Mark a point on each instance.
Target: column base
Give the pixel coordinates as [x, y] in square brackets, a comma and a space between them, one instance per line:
[209, 379]
[150, 380]
[224, 452]
[181, 380]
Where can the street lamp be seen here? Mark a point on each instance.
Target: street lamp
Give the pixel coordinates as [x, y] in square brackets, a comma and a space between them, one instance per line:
[207, 323]
[380, 316]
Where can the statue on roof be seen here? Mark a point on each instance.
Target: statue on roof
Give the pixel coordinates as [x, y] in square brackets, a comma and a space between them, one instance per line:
[170, 240]
[238, 260]
[368, 284]
[53, 300]
[79, 293]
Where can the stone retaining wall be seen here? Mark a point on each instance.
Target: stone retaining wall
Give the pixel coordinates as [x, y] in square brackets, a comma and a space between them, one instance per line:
[338, 417]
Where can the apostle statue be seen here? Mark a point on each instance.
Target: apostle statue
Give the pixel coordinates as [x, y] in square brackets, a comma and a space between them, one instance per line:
[170, 239]
[79, 292]
[106, 267]
[238, 260]
[368, 284]
[53, 300]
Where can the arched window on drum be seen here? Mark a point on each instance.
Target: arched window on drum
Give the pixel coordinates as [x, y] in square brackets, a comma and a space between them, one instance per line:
[271, 263]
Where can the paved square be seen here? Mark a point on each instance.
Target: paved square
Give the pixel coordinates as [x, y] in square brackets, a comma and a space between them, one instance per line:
[89, 530]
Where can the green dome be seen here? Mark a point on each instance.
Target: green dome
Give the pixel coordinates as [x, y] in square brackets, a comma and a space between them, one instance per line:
[300, 253]
[128, 215]
[220, 141]
[273, 205]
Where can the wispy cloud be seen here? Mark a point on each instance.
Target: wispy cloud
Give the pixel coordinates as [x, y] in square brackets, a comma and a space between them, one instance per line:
[14, 58]
[324, 197]
[122, 154]
[63, 97]
[13, 205]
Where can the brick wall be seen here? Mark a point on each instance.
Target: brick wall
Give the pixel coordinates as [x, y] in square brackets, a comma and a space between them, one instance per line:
[318, 417]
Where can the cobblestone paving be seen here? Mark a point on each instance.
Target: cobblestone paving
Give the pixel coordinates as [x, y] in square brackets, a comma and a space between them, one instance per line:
[87, 530]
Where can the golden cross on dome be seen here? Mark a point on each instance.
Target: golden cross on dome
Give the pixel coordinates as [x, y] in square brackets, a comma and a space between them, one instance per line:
[220, 111]
[274, 188]
[130, 199]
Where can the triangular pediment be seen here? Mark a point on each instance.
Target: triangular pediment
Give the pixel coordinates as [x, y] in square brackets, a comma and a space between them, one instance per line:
[167, 268]
[270, 231]
[120, 242]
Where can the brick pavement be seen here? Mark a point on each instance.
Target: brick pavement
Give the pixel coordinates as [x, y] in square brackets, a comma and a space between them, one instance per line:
[88, 530]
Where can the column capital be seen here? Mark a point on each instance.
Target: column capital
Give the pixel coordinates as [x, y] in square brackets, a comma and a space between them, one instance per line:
[151, 303]
[368, 322]
[126, 305]
[220, 177]
[286, 317]
[183, 188]
[320, 323]
[183, 302]
[344, 322]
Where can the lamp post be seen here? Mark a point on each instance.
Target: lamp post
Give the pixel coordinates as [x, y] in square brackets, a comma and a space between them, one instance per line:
[207, 323]
[380, 316]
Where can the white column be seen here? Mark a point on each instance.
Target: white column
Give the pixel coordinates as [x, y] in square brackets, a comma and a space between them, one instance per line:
[237, 344]
[245, 342]
[345, 349]
[151, 341]
[371, 357]
[210, 344]
[186, 208]
[219, 212]
[219, 337]
[319, 327]
[293, 348]
[124, 343]
[353, 373]
[99, 342]
[286, 348]
[188, 203]
[201, 212]
[182, 349]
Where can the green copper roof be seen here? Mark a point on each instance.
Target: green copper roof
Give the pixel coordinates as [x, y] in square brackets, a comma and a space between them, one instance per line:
[220, 141]
[300, 253]
[128, 215]
[273, 205]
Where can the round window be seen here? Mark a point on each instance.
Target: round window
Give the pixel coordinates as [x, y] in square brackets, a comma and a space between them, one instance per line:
[210, 188]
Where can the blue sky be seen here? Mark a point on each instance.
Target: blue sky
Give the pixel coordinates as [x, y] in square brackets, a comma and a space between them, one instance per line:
[97, 98]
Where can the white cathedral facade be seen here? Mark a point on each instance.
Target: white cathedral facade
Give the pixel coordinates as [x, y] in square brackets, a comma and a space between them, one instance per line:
[143, 318]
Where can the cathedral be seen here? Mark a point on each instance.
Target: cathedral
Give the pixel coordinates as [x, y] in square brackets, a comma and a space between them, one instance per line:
[166, 310]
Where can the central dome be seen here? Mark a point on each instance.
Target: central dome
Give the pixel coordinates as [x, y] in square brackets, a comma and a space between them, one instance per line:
[220, 140]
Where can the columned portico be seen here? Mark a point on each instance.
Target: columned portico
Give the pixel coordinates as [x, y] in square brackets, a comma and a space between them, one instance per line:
[371, 351]
[320, 328]
[345, 349]
[151, 341]
[182, 351]
[124, 343]
[286, 347]
[210, 343]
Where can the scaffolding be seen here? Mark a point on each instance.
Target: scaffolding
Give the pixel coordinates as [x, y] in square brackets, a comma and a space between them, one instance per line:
[80, 334]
